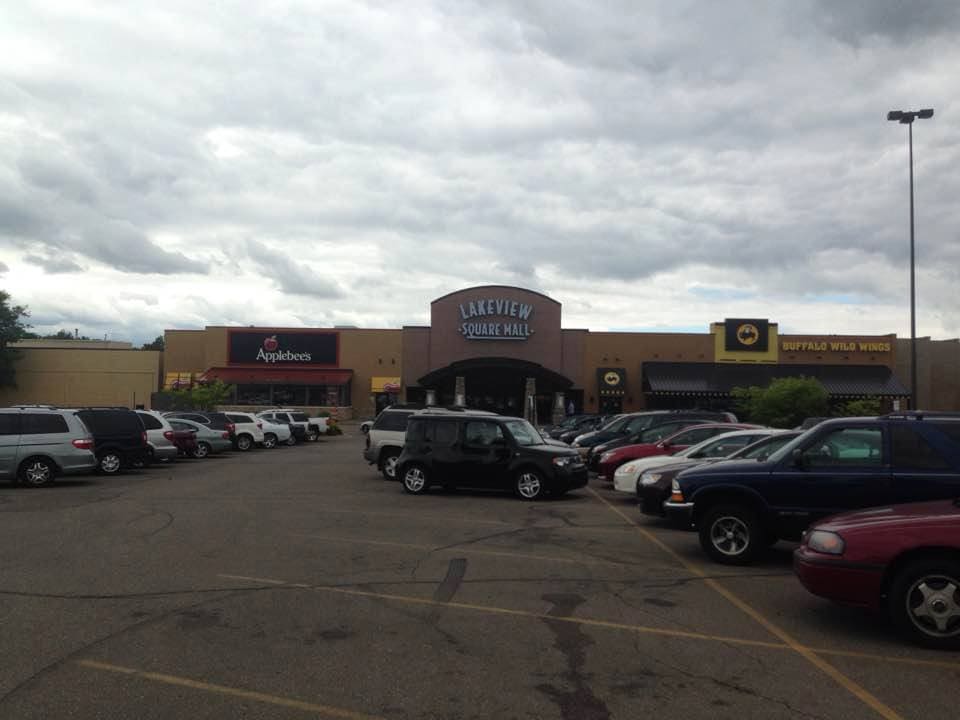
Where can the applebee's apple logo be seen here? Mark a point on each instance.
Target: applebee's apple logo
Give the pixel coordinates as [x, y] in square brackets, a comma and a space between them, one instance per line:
[271, 353]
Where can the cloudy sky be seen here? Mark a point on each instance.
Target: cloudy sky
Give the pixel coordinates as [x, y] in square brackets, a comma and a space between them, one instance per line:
[651, 165]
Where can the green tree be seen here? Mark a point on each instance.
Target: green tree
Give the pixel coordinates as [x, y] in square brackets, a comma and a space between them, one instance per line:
[202, 397]
[155, 344]
[865, 407]
[785, 403]
[12, 328]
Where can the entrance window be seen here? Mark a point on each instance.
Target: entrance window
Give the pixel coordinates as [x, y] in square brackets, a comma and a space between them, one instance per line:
[611, 405]
[286, 395]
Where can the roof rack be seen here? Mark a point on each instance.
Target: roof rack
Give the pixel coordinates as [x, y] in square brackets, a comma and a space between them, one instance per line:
[40, 406]
[921, 414]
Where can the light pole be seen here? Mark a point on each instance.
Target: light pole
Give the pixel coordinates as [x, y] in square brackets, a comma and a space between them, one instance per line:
[906, 117]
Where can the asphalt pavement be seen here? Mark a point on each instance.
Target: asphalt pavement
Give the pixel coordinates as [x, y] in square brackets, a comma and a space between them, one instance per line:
[296, 582]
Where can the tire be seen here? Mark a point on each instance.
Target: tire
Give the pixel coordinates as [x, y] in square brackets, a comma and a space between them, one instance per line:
[37, 472]
[388, 464]
[529, 485]
[269, 440]
[142, 461]
[291, 441]
[416, 481]
[244, 442]
[109, 462]
[312, 435]
[931, 587]
[731, 534]
[202, 450]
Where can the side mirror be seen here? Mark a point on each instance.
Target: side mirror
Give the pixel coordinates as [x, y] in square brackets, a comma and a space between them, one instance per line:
[663, 445]
[799, 459]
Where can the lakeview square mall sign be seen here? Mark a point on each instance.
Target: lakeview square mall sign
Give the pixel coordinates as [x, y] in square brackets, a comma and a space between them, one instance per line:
[495, 318]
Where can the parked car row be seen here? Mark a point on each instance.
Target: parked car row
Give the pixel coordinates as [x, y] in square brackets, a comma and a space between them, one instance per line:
[41, 442]
[874, 502]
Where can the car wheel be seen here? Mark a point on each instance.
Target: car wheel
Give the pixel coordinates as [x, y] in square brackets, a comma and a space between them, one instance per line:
[730, 534]
[244, 443]
[110, 463]
[415, 479]
[292, 440]
[37, 472]
[529, 485]
[313, 435]
[388, 464]
[142, 461]
[269, 440]
[925, 602]
[201, 450]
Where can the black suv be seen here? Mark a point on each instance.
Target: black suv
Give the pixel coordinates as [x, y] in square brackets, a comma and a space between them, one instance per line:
[478, 450]
[839, 465]
[119, 438]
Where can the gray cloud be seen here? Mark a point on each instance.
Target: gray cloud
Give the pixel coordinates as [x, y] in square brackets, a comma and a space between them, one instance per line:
[53, 265]
[4, 268]
[290, 276]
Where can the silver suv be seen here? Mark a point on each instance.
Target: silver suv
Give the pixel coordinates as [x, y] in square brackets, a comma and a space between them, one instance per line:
[385, 440]
[159, 436]
[37, 443]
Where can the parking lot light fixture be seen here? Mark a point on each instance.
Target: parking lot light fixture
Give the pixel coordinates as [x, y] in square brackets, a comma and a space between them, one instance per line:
[906, 117]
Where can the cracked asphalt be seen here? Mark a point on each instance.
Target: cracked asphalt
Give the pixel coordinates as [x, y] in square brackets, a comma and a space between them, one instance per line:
[296, 583]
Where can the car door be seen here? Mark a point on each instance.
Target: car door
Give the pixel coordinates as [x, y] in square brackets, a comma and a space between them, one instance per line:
[841, 468]
[484, 454]
[9, 442]
[441, 446]
[921, 466]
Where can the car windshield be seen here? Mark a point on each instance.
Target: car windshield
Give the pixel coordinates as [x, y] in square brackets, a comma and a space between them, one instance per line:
[763, 449]
[524, 433]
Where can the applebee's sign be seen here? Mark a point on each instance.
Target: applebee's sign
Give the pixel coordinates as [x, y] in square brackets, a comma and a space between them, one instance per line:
[495, 319]
[269, 347]
[271, 353]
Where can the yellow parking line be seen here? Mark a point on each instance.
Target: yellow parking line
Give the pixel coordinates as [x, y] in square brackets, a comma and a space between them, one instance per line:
[806, 653]
[641, 629]
[945, 664]
[327, 710]
[465, 550]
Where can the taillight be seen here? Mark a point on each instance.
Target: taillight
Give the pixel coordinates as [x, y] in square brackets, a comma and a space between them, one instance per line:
[231, 429]
[260, 426]
[143, 437]
[168, 434]
[226, 436]
[83, 444]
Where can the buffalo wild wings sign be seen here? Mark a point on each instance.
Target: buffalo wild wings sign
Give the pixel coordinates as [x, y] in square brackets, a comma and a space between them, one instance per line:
[495, 319]
[290, 348]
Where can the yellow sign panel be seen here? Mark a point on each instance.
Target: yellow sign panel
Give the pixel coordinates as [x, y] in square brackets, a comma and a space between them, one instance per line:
[847, 346]
[385, 384]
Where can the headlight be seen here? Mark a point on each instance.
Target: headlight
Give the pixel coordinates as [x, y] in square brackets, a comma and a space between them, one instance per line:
[675, 486]
[606, 457]
[823, 541]
[649, 478]
[565, 460]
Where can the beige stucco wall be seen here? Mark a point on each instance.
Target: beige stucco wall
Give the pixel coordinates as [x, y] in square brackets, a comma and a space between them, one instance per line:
[76, 377]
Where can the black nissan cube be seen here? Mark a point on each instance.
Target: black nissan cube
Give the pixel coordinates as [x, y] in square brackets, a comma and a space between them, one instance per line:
[484, 451]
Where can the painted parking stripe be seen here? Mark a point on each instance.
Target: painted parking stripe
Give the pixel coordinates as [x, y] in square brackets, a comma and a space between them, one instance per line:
[806, 653]
[164, 679]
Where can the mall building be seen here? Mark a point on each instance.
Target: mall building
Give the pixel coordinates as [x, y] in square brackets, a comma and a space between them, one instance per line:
[493, 347]
[505, 349]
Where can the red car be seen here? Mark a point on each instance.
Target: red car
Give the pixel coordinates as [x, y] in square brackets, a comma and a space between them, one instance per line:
[184, 440]
[903, 559]
[674, 443]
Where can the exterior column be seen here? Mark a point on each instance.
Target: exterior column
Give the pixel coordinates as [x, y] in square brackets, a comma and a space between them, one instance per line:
[460, 391]
[559, 408]
[530, 401]
[431, 397]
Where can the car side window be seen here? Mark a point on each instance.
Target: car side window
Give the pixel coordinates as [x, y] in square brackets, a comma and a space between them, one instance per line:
[846, 446]
[42, 424]
[730, 445]
[150, 422]
[692, 437]
[9, 423]
[480, 433]
[442, 433]
[912, 451]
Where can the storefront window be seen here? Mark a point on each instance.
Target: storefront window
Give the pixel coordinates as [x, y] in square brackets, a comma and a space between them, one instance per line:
[253, 394]
[286, 395]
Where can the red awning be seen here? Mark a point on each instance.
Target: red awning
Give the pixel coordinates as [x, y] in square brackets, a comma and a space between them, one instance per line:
[291, 376]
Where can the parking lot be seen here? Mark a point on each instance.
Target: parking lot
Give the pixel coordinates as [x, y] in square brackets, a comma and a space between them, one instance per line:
[296, 582]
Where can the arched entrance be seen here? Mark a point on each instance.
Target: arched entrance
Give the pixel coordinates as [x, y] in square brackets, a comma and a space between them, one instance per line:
[497, 384]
